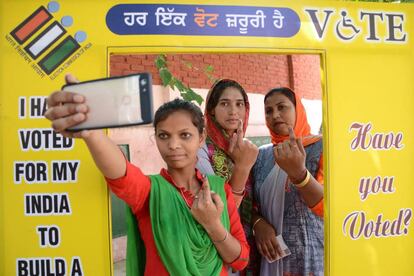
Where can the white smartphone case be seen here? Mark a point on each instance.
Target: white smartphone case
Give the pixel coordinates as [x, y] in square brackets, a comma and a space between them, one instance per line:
[113, 102]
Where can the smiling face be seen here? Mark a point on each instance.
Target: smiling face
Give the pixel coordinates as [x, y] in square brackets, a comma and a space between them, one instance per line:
[230, 109]
[178, 140]
[280, 113]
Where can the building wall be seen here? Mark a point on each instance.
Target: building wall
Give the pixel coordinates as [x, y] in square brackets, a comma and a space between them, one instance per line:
[257, 73]
[306, 75]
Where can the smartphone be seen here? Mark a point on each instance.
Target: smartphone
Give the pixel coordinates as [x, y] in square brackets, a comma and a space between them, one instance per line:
[116, 101]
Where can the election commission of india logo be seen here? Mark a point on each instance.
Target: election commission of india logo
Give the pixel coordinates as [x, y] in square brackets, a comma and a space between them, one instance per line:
[46, 42]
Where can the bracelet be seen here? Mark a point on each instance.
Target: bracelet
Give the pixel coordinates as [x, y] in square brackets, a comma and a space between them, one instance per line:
[225, 238]
[305, 181]
[254, 224]
[239, 193]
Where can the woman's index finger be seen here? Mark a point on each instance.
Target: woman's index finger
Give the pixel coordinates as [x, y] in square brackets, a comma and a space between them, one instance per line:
[292, 136]
[232, 142]
[240, 133]
[205, 190]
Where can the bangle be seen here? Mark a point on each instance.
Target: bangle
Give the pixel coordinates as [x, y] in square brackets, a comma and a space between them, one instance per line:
[239, 193]
[254, 224]
[305, 181]
[225, 238]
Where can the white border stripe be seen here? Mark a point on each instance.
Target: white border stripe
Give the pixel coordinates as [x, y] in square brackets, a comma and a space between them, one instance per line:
[45, 40]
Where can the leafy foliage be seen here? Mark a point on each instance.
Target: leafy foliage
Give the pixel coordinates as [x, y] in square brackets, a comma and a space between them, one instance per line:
[168, 79]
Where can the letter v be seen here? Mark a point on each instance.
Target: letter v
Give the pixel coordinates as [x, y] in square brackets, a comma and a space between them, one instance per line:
[319, 30]
[24, 138]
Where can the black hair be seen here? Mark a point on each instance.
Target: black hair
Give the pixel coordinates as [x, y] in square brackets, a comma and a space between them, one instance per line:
[165, 110]
[218, 89]
[285, 91]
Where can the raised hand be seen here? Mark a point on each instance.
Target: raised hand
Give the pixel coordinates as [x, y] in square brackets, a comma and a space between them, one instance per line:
[66, 109]
[242, 151]
[290, 156]
[207, 207]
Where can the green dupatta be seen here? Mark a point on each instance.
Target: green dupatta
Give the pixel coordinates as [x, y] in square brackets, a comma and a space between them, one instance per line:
[182, 243]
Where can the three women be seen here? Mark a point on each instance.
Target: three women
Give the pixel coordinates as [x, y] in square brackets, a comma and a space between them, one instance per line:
[179, 205]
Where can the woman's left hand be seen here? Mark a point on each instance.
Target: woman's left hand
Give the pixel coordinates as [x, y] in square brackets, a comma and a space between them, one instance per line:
[290, 156]
[207, 207]
[266, 242]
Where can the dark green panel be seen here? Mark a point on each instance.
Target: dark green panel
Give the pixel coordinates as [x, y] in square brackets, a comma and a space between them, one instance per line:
[118, 206]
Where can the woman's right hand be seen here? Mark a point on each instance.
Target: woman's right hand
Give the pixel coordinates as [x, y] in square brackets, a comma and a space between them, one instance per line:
[242, 151]
[66, 109]
[291, 156]
[265, 236]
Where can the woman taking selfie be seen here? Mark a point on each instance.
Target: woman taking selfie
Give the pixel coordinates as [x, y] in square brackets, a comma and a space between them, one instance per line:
[187, 228]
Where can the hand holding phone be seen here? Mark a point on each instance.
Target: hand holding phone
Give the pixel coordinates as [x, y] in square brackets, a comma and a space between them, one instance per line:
[115, 102]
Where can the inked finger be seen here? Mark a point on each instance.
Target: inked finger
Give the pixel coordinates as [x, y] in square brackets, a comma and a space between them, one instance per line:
[232, 142]
[292, 137]
[205, 190]
[240, 133]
